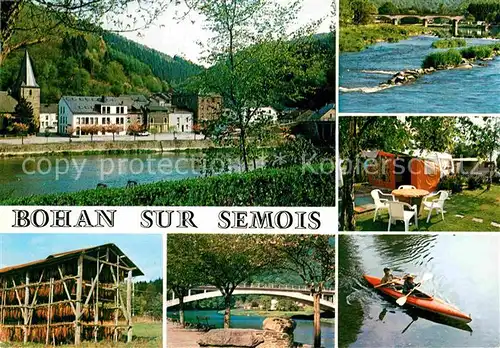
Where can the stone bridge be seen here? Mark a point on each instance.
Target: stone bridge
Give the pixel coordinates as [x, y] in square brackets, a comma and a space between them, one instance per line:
[297, 293]
[426, 19]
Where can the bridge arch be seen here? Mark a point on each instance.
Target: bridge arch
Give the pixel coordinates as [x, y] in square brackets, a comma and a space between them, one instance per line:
[300, 297]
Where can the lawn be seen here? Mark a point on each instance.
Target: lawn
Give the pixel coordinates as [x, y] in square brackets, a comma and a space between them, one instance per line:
[146, 335]
[478, 204]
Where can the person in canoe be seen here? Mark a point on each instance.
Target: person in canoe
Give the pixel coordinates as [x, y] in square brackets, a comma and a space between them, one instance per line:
[409, 283]
[388, 279]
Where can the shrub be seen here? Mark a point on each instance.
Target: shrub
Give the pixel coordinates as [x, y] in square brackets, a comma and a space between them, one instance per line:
[475, 182]
[443, 59]
[449, 43]
[451, 183]
[309, 186]
[477, 52]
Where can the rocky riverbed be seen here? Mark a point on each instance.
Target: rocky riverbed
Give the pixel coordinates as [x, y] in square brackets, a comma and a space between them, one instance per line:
[405, 77]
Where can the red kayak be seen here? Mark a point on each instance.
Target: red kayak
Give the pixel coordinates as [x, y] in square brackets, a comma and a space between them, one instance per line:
[423, 301]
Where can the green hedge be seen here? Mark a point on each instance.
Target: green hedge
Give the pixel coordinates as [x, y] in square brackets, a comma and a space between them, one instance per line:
[296, 186]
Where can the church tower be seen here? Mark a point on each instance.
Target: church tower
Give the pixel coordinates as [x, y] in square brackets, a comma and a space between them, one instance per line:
[26, 86]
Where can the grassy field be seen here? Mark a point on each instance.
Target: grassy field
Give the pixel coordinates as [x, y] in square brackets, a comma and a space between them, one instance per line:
[146, 335]
[479, 204]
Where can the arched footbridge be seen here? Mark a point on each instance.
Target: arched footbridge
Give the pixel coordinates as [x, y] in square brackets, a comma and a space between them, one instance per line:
[297, 293]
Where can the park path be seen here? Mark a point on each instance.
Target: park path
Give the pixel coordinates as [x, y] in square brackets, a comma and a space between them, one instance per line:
[177, 337]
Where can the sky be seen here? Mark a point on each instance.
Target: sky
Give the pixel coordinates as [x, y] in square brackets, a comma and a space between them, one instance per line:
[172, 37]
[145, 250]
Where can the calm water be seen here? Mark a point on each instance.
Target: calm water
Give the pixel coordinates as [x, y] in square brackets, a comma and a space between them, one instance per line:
[303, 332]
[40, 175]
[465, 272]
[454, 91]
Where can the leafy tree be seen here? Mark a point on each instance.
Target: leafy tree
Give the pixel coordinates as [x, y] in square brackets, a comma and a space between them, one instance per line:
[154, 131]
[388, 8]
[346, 12]
[21, 129]
[359, 133]
[134, 128]
[312, 257]
[253, 61]
[113, 129]
[70, 130]
[434, 133]
[229, 260]
[485, 140]
[91, 130]
[183, 267]
[363, 11]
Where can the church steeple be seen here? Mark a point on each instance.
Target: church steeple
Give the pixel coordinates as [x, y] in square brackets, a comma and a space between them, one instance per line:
[26, 86]
[26, 76]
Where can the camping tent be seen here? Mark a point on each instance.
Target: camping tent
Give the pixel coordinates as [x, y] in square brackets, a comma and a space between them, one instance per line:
[389, 171]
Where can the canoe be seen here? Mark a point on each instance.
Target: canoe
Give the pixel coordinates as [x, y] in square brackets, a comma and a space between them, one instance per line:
[427, 303]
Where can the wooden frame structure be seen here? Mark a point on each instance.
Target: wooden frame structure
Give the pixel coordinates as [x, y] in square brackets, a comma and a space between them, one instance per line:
[78, 295]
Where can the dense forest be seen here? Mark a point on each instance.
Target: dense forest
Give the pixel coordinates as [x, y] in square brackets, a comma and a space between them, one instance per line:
[75, 63]
[173, 70]
[148, 299]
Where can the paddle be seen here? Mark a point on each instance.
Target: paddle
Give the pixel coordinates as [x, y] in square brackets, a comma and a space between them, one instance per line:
[389, 282]
[402, 300]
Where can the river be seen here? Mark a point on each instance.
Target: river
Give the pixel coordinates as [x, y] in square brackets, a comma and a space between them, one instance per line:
[465, 272]
[453, 91]
[303, 332]
[21, 176]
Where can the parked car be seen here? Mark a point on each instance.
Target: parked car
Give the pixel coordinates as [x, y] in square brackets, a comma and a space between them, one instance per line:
[143, 134]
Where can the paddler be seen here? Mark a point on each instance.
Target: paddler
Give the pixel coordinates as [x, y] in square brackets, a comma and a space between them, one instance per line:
[409, 283]
[388, 279]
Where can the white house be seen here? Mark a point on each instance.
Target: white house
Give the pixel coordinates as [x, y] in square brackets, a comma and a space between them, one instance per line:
[77, 112]
[265, 112]
[48, 118]
[182, 120]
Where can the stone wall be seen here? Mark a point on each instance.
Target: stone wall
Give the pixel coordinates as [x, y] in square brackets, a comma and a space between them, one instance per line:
[103, 146]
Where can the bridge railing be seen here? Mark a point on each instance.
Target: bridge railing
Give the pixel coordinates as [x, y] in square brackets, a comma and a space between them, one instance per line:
[269, 286]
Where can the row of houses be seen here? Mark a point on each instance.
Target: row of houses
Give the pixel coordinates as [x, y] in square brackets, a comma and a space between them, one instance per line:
[161, 112]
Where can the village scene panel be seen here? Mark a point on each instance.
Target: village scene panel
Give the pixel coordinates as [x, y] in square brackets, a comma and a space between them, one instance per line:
[98, 108]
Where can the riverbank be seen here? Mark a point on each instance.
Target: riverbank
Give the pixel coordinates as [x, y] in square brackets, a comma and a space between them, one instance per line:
[103, 147]
[264, 313]
[355, 38]
[307, 314]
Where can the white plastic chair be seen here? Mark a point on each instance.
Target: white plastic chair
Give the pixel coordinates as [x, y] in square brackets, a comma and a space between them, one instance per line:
[405, 187]
[437, 203]
[380, 203]
[397, 212]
